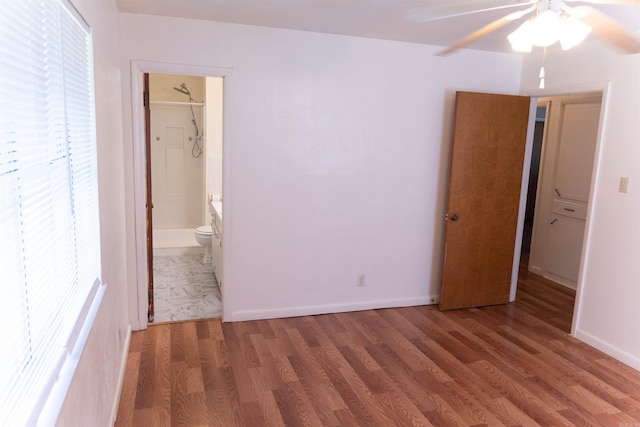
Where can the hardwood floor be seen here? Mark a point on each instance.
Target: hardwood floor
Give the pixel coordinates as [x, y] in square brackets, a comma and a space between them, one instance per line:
[509, 365]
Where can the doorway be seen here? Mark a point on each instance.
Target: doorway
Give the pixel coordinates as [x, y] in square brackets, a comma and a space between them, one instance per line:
[562, 163]
[184, 191]
[575, 120]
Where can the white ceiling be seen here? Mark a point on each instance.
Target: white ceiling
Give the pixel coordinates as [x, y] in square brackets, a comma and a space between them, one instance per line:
[403, 20]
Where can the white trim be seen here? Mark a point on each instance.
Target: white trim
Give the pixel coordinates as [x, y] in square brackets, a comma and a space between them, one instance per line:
[605, 347]
[524, 189]
[58, 394]
[535, 269]
[121, 372]
[138, 68]
[139, 193]
[310, 310]
[560, 280]
[73, 11]
[593, 195]
[572, 89]
[542, 167]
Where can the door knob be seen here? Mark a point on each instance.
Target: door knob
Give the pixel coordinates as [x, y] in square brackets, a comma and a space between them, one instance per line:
[452, 217]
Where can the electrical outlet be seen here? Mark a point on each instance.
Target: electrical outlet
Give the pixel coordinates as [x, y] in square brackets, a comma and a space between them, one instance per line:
[624, 184]
[361, 280]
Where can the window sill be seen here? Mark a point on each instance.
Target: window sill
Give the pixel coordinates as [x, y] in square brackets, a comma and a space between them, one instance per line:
[55, 399]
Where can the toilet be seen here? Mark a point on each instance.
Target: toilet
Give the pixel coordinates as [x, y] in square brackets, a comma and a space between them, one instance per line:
[203, 237]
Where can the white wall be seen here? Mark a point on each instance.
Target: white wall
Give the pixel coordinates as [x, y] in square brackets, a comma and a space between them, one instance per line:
[214, 132]
[609, 284]
[336, 154]
[95, 386]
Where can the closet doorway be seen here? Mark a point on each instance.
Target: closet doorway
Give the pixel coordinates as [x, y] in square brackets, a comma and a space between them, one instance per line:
[562, 164]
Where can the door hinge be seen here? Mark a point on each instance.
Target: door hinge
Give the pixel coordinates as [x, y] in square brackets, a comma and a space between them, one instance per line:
[145, 98]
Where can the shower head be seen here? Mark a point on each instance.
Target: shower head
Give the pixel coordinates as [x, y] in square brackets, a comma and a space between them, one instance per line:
[183, 89]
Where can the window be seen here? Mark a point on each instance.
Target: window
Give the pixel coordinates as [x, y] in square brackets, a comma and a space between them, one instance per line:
[49, 225]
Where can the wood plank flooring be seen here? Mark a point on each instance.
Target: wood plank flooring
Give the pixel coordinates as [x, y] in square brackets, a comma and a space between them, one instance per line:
[511, 365]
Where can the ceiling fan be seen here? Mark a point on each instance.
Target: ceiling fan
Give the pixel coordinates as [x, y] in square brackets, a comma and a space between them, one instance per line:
[547, 21]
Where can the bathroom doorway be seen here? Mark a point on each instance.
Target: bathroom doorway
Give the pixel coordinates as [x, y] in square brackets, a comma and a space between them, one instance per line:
[183, 118]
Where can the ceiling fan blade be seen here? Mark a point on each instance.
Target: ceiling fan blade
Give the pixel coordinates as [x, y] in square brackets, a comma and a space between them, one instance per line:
[493, 26]
[461, 8]
[607, 1]
[607, 28]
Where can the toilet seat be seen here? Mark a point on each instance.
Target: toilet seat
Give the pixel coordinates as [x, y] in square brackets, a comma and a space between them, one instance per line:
[204, 229]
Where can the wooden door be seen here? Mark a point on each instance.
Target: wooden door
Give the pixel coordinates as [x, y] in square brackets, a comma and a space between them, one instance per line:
[149, 205]
[489, 139]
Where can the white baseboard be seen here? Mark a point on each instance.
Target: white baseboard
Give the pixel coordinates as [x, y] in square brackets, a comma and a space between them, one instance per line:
[558, 279]
[561, 281]
[535, 270]
[123, 368]
[244, 315]
[605, 347]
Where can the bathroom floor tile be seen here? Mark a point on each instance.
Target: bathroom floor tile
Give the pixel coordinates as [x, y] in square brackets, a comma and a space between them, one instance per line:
[184, 288]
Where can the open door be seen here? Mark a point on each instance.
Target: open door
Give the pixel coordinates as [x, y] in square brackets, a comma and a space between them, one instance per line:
[149, 205]
[489, 139]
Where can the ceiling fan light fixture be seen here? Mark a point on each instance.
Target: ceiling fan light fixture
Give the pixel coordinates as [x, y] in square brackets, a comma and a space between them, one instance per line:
[542, 30]
[547, 28]
[520, 39]
[572, 32]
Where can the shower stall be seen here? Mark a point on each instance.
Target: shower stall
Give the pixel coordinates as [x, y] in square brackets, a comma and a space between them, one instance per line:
[177, 159]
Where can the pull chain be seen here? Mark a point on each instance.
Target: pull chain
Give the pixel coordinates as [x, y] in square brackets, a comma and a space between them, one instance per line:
[542, 73]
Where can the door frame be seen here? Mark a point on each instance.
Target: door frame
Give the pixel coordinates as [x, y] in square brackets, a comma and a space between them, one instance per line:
[149, 198]
[564, 90]
[524, 186]
[138, 69]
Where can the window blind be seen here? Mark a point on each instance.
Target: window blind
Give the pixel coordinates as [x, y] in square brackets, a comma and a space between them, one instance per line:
[49, 224]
